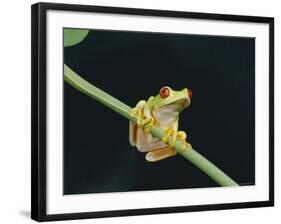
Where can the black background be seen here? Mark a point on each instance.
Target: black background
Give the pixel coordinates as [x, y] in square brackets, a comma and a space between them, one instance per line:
[220, 122]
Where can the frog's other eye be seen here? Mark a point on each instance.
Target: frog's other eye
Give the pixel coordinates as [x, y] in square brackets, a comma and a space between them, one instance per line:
[164, 92]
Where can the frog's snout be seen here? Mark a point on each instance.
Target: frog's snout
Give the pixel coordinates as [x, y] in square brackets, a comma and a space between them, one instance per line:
[189, 93]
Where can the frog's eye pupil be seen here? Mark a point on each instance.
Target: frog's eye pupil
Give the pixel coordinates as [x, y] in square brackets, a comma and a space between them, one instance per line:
[164, 92]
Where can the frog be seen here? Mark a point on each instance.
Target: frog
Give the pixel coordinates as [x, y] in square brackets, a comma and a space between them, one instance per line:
[163, 111]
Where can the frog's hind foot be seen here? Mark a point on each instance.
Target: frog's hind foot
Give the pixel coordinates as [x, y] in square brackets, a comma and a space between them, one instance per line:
[160, 154]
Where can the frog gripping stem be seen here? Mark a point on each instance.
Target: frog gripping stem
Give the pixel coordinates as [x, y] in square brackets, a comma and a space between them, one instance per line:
[124, 110]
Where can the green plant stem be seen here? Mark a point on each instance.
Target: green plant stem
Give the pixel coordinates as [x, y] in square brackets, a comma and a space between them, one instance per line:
[192, 155]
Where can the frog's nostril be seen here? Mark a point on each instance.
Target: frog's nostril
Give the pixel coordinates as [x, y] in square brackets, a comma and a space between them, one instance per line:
[189, 93]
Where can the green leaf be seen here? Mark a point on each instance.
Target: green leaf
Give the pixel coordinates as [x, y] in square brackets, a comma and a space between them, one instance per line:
[73, 36]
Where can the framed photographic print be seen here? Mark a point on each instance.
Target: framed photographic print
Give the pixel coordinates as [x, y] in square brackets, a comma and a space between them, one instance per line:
[138, 111]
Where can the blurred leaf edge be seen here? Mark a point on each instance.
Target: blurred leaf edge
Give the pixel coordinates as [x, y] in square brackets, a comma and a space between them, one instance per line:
[72, 36]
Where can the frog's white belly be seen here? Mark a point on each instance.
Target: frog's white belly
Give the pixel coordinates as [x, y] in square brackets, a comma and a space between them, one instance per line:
[166, 117]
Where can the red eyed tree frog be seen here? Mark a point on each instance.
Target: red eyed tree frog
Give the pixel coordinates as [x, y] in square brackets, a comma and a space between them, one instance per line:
[163, 111]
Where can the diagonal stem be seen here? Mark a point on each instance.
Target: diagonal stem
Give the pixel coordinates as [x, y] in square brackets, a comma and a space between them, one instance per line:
[192, 155]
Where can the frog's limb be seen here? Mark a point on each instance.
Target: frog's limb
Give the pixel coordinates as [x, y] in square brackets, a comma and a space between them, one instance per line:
[147, 108]
[171, 132]
[160, 154]
[137, 113]
[149, 123]
[168, 133]
[143, 115]
[181, 135]
[175, 135]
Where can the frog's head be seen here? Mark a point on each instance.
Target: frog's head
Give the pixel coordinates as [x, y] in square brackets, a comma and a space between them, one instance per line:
[167, 96]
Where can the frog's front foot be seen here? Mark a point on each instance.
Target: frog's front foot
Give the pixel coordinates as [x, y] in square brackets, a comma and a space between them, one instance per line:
[137, 113]
[148, 124]
[171, 136]
[168, 133]
[140, 118]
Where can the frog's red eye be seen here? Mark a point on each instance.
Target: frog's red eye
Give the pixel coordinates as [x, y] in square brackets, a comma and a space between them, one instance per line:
[164, 92]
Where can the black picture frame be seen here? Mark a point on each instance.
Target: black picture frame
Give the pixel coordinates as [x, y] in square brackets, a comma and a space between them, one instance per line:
[39, 122]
